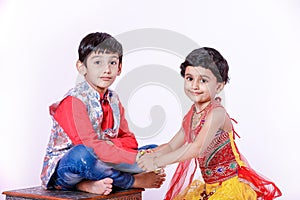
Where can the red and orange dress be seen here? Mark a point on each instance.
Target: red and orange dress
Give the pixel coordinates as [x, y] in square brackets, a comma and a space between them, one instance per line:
[225, 175]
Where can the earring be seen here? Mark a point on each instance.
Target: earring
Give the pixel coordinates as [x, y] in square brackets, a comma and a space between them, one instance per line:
[218, 99]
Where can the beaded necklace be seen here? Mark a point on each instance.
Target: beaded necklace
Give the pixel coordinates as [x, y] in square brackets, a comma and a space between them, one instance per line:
[197, 116]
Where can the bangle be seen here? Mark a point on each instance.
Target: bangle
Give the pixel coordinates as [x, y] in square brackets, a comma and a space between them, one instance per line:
[157, 170]
[141, 153]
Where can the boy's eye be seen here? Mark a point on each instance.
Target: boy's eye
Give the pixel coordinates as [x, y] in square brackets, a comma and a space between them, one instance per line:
[97, 62]
[113, 63]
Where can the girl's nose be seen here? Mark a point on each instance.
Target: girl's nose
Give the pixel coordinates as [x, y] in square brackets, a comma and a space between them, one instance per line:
[195, 85]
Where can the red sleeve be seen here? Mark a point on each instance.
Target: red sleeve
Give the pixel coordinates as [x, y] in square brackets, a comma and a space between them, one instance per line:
[126, 139]
[72, 116]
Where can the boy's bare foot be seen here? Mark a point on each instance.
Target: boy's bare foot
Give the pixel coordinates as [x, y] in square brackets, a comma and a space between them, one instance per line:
[148, 180]
[103, 186]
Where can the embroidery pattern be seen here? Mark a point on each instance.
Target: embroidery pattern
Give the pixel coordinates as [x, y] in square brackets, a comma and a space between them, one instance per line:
[60, 143]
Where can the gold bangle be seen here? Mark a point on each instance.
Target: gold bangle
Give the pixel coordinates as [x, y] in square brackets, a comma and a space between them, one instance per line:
[143, 152]
[158, 171]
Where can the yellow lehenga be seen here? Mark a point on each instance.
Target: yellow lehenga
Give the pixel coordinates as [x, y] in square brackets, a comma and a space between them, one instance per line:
[225, 175]
[231, 189]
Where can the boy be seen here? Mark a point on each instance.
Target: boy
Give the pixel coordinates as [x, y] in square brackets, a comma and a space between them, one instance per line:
[91, 147]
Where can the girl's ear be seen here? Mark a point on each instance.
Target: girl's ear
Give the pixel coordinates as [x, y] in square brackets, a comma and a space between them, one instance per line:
[220, 87]
[81, 68]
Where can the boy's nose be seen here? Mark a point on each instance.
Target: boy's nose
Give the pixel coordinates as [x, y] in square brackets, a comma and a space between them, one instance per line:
[107, 68]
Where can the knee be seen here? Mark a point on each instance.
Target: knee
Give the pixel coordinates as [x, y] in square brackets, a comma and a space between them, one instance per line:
[82, 154]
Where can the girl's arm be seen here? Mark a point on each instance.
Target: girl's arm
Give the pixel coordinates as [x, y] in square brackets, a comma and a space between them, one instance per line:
[176, 142]
[214, 121]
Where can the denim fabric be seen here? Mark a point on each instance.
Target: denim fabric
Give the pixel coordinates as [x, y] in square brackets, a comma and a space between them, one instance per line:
[81, 163]
[131, 168]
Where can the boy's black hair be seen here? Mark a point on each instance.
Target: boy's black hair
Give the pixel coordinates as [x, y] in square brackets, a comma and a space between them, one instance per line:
[99, 43]
[208, 58]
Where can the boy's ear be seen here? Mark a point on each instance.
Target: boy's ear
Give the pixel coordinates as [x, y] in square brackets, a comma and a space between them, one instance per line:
[81, 68]
[119, 69]
[220, 87]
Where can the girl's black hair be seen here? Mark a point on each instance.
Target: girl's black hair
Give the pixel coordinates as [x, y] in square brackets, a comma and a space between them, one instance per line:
[208, 58]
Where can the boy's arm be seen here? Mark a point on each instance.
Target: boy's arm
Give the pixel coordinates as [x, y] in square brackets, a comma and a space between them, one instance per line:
[72, 116]
[125, 139]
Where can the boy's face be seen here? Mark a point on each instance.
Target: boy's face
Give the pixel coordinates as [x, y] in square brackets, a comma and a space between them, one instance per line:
[101, 70]
[200, 84]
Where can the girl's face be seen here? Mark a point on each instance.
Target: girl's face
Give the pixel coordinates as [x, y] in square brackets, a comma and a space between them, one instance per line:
[201, 85]
[101, 70]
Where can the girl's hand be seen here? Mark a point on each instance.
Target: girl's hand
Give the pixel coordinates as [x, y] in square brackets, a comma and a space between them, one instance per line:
[147, 162]
[142, 153]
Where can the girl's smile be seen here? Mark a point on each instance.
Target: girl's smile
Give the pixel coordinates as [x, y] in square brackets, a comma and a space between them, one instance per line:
[201, 85]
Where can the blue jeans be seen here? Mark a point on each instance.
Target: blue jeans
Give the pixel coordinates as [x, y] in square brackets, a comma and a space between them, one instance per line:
[80, 163]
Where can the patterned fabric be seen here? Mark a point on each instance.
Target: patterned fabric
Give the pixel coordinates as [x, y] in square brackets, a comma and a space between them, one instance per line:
[91, 98]
[225, 175]
[231, 189]
[218, 162]
[60, 142]
[180, 175]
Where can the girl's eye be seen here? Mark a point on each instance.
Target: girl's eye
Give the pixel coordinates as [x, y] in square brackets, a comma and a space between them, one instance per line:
[97, 62]
[203, 81]
[189, 78]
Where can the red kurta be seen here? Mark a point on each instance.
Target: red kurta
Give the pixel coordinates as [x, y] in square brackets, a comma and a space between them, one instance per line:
[72, 116]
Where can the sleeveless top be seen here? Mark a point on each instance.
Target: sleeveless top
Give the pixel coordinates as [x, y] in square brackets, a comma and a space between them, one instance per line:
[217, 162]
[220, 161]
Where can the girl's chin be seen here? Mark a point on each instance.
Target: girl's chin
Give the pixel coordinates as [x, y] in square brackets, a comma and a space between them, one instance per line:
[200, 100]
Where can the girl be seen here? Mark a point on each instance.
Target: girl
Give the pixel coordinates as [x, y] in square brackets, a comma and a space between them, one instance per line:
[207, 138]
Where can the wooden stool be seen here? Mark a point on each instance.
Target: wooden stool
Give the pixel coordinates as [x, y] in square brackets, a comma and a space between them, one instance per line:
[40, 193]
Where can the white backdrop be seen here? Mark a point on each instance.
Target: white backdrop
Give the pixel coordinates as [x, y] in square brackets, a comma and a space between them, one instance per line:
[259, 39]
